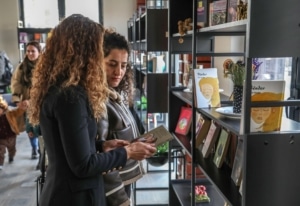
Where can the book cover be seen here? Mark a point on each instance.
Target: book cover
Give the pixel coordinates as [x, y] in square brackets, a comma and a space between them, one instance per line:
[218, 12]
[202, 13]
[203, 130]
[266, 119]
[211, 138]
[184, 121]
[236, 174]
[222, 148]
[23, 37]
[158, 135]
[232, 10]
[207, 88]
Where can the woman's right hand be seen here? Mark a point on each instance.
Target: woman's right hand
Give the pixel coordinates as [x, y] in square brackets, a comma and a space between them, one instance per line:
[140, 150]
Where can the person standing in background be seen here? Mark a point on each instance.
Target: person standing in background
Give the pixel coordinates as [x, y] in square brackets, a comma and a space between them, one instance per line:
[120, 123]
[9, 129]
[20, 87]
[69, 92]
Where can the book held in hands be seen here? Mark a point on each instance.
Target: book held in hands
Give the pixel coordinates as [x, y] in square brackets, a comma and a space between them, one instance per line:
[207, 88]
[158, 135]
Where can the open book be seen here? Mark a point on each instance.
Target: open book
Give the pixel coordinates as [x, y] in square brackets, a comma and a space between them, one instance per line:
[158, 135]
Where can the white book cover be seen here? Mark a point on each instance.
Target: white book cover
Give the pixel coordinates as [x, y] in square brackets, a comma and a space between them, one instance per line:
[207, 88]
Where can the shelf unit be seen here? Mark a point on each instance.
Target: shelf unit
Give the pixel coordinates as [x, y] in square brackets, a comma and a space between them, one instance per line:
[270, 166]
[28, 34]
[147, 34]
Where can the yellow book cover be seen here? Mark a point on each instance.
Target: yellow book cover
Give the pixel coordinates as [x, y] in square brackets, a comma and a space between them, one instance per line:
[266, 119]
[207, 88]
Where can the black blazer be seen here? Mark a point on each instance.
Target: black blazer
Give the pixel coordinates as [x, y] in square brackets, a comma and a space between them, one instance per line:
[74, 174]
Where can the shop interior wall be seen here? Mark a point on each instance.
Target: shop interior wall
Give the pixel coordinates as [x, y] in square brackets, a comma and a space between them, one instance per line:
[115, 14]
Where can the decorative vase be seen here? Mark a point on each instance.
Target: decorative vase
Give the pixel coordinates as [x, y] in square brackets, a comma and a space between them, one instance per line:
[237, 98]
[158, 159]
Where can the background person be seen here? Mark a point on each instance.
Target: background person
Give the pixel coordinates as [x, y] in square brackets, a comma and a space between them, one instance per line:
[21, 84]
[68, 95]
[9, 129]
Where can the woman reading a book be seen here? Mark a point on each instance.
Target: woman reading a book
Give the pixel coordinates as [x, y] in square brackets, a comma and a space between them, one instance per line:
[68, 96]
[120, 123]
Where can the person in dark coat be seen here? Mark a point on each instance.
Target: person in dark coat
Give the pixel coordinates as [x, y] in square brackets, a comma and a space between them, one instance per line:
[67, 98]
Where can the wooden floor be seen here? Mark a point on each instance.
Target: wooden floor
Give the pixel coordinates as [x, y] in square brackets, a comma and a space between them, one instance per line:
[18, 180]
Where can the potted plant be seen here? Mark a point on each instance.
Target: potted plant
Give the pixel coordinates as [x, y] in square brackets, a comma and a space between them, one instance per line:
[160, 157]
[236, 71]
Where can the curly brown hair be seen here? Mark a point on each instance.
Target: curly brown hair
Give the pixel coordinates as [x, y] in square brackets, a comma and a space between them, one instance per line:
[113, 40]
[73, 56]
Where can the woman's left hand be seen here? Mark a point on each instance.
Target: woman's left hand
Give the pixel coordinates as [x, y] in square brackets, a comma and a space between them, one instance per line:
[113, 144]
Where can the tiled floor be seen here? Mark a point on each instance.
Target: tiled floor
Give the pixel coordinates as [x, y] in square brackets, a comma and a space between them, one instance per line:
[18, 186]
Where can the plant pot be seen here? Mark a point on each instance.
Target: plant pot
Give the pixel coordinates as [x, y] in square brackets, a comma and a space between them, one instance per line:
[158, 159]
[237, 98]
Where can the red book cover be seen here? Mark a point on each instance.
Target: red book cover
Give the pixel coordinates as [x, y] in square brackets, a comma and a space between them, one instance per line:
[184, 121]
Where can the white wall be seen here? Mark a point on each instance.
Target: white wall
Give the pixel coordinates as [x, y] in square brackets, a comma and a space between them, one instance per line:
[227, 44]
[116, 13]
[8, 29]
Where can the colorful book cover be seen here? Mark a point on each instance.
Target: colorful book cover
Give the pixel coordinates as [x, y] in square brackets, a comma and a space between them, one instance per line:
[222, 148]
[232, 10]
[23, 37]
[211, 138]
[184, 121]
[236, 174]
[266, 119]
[207, 88]
[202, 13]
[200, 137]
[218, 12]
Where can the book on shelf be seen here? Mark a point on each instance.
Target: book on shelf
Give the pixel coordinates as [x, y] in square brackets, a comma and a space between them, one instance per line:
[231, 150]
[206, 88]
[23, 37]
[202, 10]
[232, 10]
[211, 138]
[184, 121]
[158, 135]
[222, 148]
[217, 12]
[236, 173]
[266, 119]
[202, 133]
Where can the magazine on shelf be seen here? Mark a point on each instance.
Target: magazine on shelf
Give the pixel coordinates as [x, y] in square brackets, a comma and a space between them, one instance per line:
[211, 138]
[207, 88]
[222, 148]
[158, 135]
[236, 174]
[202, 133]
[266, 119]
[184, 121]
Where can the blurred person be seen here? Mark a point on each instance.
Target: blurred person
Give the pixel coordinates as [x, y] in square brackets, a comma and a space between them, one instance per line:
[9, 129]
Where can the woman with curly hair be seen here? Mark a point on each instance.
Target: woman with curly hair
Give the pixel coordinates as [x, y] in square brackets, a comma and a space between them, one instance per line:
[20, 86]
[68, 95]
[120, 123]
